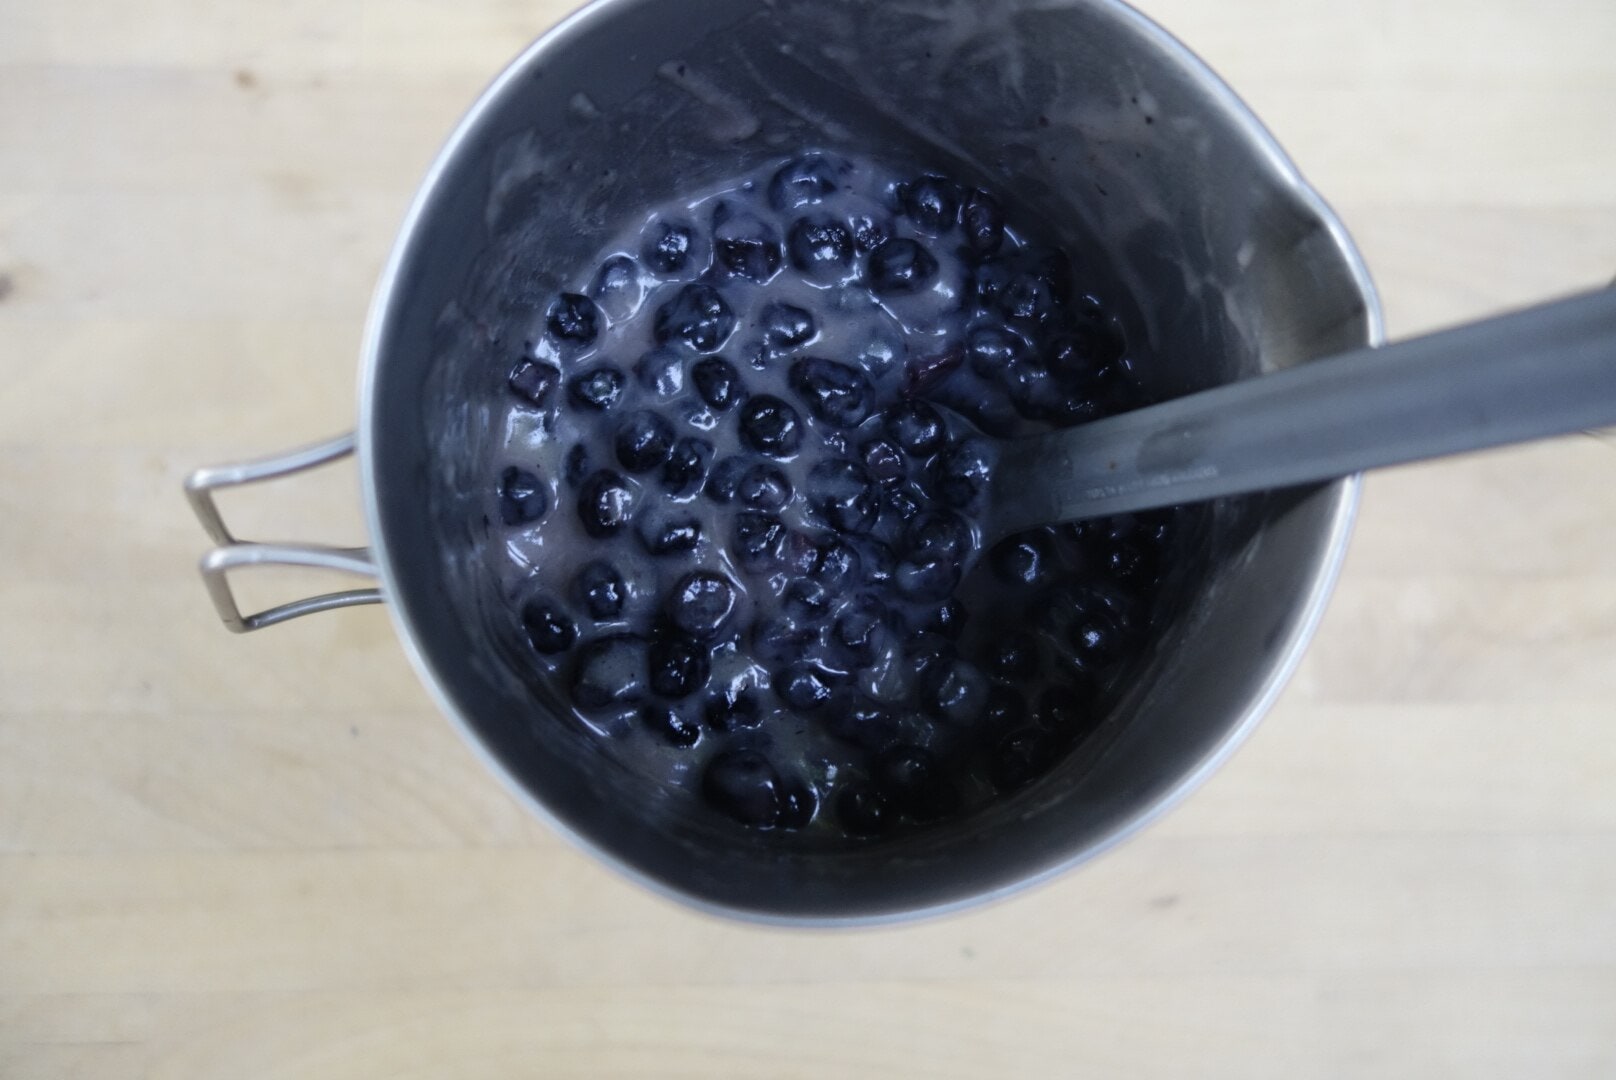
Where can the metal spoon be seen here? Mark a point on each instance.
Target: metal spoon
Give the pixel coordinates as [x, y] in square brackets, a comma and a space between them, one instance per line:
[1543, 371]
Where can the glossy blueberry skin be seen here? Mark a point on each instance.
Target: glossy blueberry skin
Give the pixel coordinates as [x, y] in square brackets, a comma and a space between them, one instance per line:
[900, 266]
[845, 495]
[678, 667]
[916, 427]
[785, 326]
[573, 320]
[764, 487]
[757, 539]
[701, 603]
[534, 381]
[983, 220]
[605, 504]
[549, 629]
[523, 497]
[803, 182]
[597, 389]
[668, 532]
[668, 724]
[600, 589]
[803, 687]
[661, 371]
[669, 246]
[932, 203]
[820, 247]
[698, 316]
[744, 785]
[644, 440]
[913, 782]
[836, 393]
[717, 382]
[1024, 559]
[771, 426]
[745, 245]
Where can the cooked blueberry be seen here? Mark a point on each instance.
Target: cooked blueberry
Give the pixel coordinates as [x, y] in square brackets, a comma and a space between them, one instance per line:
[901, 266]
[991, 349]
[756, 539]
[948, 620]
[717, 381]
[802, 182]
[724, 482]
[1005, 711]
[700, 603]
[962, 471]
[523, 498]
[661, 371]
[535, 380]
[983, 221]
[955, 691]
[901, 504]
[1013, 656]
[859, 629]
[573, 320]
[798, 553]
[616, 288]
[548, 627]
[820, 247]
[732, 709]
[880, 564]
[861, 809]
[843, 493]
[806, 600]
[598, 388]
[884, 460]
[666, 722]
[744, 785]
[932, 203]
[686, 468]
[576, 465]
[938, 534]
[745, 245]
[924, 374]
[669, 247]
[644, 440]
[913, 783]
[781, 639]
[605, 503]
[835, 566]
[1028, 299]
[764, 487]
[986, 282]
[600, 589]
[803, 687]
[609, 671]
[678, 667]
[1021, 757]
[798, 804]
[668, 532]
[926, 579]
[785, 326]
[916, 427]
[1066, 713]
[837, 394]
[697, 315]
[770, 426]
[1024, 559]
[1093, 625]
[870, 233]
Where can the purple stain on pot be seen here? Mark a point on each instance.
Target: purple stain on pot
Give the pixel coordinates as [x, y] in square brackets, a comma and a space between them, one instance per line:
[817, 560]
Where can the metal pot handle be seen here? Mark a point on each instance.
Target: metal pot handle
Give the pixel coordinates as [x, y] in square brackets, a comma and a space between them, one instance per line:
[231, 552]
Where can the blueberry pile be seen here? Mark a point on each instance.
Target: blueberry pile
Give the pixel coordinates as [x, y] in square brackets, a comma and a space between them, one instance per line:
[739, 501]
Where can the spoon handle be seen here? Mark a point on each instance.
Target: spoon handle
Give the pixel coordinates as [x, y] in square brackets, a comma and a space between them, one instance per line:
[1542, 371]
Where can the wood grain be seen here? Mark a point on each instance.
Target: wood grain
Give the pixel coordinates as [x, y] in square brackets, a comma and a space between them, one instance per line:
[270, 857]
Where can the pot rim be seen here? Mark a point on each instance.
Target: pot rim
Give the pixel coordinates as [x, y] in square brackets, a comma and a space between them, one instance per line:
[1345, 492]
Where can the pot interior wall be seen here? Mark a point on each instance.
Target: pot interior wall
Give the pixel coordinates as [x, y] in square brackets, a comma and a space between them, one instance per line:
[1088, 120]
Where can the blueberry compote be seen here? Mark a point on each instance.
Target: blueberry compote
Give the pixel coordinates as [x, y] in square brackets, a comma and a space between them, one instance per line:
[741, 491]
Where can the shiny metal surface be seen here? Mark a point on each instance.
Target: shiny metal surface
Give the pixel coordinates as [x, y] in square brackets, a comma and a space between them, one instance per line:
[233, 553]
[1097, 122]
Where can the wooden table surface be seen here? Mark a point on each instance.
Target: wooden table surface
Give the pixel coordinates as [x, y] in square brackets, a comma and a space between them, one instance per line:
[269, 856]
